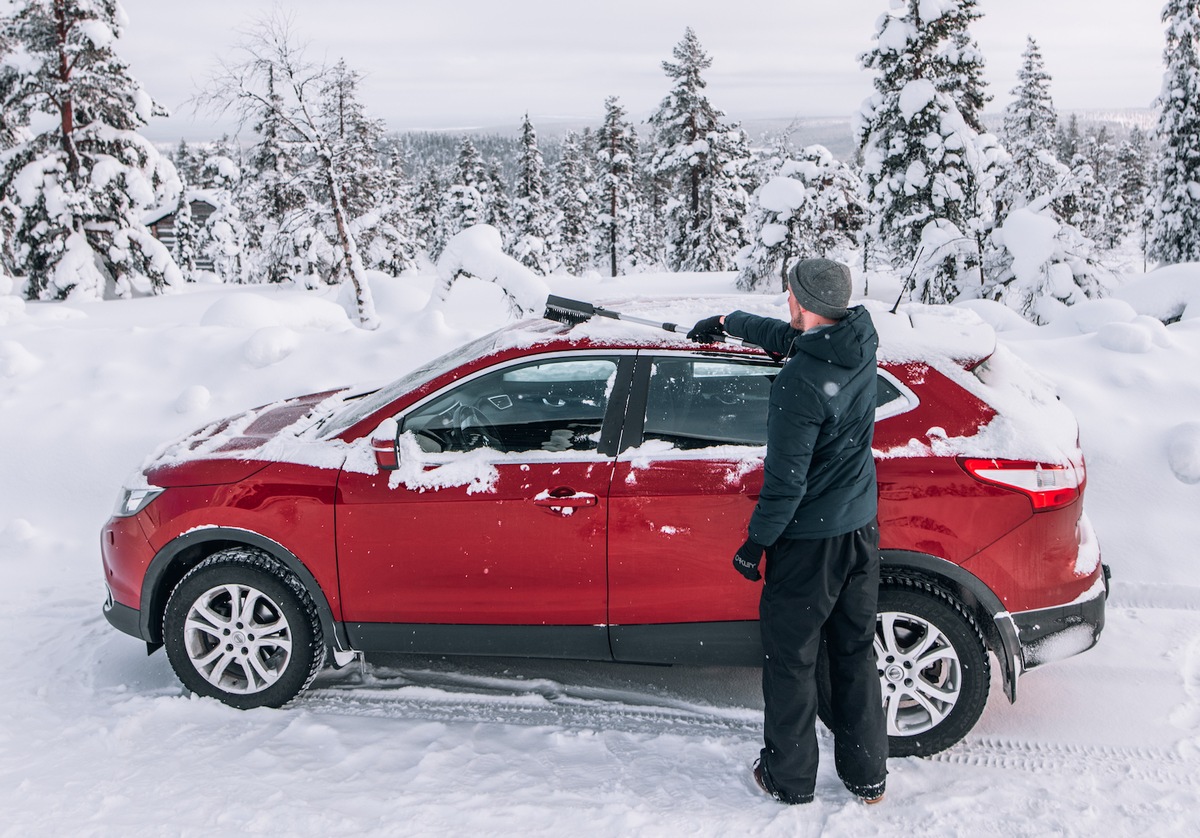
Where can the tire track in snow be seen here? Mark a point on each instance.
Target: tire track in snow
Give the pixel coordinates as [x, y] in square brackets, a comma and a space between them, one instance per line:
[548, 704]
[533, 709]
[1154, 765]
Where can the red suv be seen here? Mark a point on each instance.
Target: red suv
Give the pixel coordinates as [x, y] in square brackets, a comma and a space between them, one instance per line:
[577, 493]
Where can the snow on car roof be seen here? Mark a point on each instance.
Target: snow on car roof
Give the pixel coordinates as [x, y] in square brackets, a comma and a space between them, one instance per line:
[914, 333]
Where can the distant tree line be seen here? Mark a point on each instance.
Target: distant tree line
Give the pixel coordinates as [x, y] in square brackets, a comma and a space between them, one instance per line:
[323, 193]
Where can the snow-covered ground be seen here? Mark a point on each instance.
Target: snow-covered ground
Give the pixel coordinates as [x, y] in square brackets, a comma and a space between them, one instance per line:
[99, 739]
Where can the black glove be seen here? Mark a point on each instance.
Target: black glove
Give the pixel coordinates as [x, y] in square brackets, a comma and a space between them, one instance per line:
[707, 330]
[746, 559]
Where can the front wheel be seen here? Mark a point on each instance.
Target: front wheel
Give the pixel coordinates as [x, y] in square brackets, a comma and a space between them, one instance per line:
[933, 670]
[242, 629]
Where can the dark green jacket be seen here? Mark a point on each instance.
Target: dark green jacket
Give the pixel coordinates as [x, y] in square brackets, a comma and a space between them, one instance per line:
[819, 475]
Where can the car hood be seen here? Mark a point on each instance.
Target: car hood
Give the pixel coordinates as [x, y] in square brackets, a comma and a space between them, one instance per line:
[233, 448]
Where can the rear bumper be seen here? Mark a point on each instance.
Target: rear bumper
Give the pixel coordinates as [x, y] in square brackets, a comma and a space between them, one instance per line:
[1050, 634]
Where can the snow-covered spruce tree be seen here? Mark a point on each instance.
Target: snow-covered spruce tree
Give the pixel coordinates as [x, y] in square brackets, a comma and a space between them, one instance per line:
[497, 206]
[187, 235]
[1030, 122]
[1175, 234]
[271, 194]
[428, 214]
[703, 161]
[373, 195]
[387, 231]
[1067, 139]
[463, 204]
[223, 238]
[76, 176]
[1133, 212]
[808, 206]
[923, 165]
[576, 212]
[275, 81]
[616, 188]
[533, 224]
[957, 68]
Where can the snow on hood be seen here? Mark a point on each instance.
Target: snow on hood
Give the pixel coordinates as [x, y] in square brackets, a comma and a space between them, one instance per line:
[281, 432]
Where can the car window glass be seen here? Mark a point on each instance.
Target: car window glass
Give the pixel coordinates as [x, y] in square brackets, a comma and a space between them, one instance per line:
[698, 403]
[360, 408]
[891, 397]
[554, 405]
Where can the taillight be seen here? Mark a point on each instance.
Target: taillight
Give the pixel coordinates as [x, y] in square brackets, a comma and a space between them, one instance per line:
[1048, 485]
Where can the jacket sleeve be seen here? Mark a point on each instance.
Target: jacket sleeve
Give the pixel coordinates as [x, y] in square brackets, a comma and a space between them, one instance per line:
[793, 426]
[771, 334]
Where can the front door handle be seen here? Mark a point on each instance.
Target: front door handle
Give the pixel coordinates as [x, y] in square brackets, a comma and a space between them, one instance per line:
[563, 500]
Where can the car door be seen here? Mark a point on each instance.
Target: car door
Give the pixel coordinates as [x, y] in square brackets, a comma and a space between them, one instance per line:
[680, 501]
[495, 519]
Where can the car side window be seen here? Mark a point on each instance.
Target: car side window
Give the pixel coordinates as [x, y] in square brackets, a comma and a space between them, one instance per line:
[700, 402]
[552, 405]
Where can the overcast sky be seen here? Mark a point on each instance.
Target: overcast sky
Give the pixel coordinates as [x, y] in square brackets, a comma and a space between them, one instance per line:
[485, 63]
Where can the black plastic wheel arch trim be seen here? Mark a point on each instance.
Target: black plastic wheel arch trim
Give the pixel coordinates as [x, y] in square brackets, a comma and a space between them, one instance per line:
[998, 627]
[154, 597]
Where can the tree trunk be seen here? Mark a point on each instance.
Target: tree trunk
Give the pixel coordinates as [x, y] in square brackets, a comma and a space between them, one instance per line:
[365, 305]
[66, 108]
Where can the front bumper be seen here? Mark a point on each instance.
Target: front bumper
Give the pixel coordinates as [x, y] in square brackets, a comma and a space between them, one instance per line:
[1051, 634]
[123, 617]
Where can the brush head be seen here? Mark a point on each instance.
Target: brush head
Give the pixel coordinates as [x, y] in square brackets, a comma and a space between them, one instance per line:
[571, 312]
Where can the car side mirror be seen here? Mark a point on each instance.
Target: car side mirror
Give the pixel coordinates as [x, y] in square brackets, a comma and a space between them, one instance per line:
[385, 446]
[387, 457]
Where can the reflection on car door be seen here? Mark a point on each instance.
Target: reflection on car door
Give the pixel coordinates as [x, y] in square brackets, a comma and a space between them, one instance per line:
[528, 550]
[680, 502]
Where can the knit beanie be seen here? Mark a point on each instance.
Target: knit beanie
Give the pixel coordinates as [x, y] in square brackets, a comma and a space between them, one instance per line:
[822, 286]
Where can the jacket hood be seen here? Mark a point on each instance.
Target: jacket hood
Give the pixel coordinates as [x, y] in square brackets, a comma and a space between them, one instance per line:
[846, 343]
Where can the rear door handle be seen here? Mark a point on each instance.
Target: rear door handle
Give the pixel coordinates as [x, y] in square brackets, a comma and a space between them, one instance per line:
[565, 499]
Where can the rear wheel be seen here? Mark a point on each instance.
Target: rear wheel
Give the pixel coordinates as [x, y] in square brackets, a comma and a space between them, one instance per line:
[242, 629]
[933, 669]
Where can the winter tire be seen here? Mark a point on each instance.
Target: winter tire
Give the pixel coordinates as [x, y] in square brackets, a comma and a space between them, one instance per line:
[933, 669]
[241, 629]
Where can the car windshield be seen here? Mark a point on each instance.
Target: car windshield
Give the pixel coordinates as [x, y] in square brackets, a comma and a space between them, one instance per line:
[359, 408]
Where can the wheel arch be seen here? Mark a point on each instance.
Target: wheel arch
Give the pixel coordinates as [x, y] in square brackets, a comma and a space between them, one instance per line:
[981, 602]
[176, 558]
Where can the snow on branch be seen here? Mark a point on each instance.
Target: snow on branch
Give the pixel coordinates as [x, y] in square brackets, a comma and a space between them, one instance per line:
[478, 251]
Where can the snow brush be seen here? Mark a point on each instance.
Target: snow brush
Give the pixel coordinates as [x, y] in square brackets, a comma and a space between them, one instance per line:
[574, 312]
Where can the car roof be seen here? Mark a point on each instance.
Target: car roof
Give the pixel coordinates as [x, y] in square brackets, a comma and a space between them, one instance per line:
[913, 333]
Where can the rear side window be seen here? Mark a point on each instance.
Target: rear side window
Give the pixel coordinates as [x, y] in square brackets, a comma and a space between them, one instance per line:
[698, 403]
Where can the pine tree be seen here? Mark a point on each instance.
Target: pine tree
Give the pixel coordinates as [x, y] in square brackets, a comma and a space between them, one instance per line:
[428, 214]
[187, 234]
[924, 167]
[1175, 235]
[1132, 212]
[463, 203]
[532, 222]
[617, 208]
[702, 159]
[223, 239]
[497, 206]
[576, 211]
[79, 175]
[958, 63]
[1030, 122]
[1067, 140]
[272, 195]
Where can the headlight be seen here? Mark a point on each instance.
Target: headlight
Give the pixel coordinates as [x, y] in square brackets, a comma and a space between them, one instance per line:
[133, 501]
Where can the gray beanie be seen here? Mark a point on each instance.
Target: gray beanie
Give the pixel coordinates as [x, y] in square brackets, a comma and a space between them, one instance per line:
[822, 286]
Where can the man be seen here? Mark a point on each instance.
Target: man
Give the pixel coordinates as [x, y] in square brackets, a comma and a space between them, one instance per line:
[816, 522]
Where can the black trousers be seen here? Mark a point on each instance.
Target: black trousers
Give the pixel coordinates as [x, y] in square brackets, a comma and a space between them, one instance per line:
[830, 585]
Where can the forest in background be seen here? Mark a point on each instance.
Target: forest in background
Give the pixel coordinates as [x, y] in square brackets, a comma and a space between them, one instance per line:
[318, 192]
